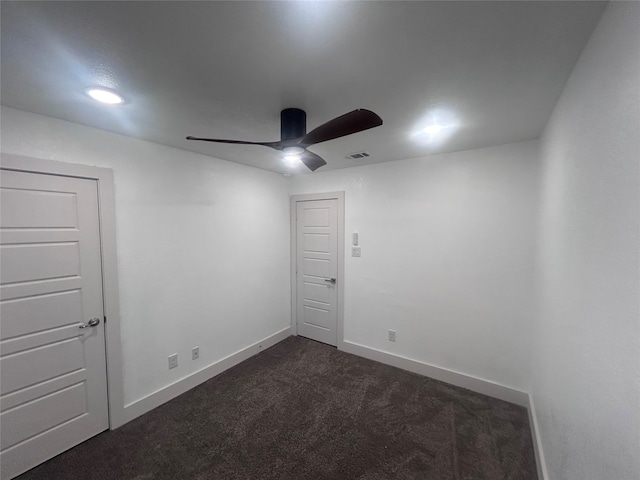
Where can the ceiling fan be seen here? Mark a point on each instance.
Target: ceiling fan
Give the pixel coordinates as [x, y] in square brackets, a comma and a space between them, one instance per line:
[294, 140]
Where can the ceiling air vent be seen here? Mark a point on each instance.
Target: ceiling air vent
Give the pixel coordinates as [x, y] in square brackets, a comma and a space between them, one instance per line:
[353, 156]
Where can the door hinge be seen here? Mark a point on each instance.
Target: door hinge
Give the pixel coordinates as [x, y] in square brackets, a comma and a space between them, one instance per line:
[105, 319]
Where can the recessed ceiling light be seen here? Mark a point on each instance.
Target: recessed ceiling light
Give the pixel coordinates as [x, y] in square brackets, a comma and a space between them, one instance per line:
[432, 129]
[104, 95]
[435, 127]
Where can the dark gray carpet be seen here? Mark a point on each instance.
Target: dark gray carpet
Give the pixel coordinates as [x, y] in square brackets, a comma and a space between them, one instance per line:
[303, 410]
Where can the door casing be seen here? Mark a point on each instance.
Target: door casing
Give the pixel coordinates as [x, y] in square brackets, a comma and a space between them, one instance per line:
[339, 196]
[110, 298]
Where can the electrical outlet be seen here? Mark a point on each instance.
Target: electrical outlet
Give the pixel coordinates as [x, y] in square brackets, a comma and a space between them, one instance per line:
[195, 353]
[173, 361]
[392, 335]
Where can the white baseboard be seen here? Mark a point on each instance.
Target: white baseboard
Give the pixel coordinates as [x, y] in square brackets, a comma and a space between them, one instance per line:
[537, 441]
[475, 384]
[469, 382]
[485, 387]
[148, 403]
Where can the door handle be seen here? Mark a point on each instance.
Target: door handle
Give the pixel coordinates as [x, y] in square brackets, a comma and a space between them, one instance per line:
[332, 281]
[91, 323]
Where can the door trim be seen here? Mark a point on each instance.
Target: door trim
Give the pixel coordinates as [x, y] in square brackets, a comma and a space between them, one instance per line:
[110, 295]
[339, 196]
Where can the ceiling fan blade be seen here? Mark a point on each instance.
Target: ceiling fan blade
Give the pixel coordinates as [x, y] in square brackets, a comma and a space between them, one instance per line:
[275, 145]
[346, 124]
[311, 160]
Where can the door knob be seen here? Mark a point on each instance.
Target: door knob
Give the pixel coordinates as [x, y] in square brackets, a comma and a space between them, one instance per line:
[91, 323]
[330, 280]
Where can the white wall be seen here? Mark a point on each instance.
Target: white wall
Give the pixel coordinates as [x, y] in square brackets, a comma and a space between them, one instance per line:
[447, 257]
[586, 350]
[203, 246]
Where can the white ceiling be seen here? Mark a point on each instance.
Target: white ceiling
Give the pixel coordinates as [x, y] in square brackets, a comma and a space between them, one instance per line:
[490, 71]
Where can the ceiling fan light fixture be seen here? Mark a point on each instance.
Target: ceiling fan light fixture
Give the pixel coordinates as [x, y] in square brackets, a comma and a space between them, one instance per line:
[292, 160]
[105, 95]
[294, 141]
[293, 150]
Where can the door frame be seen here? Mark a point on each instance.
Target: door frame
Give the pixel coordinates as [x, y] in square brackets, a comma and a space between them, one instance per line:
[109, 260]
[339, 196]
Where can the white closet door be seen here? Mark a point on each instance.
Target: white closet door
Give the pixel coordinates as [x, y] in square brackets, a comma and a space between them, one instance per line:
[317, 275]
[53, 382]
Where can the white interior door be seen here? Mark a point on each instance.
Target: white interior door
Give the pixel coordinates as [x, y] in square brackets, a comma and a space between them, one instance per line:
[53, 372]
[317, 269]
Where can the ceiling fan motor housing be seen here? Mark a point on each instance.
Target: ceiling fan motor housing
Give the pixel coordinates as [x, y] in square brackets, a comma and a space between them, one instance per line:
[293, 123]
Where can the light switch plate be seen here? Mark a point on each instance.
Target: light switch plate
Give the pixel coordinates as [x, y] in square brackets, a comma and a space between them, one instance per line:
[355, 239]
[356, 251]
